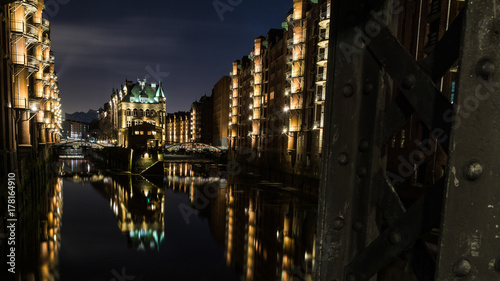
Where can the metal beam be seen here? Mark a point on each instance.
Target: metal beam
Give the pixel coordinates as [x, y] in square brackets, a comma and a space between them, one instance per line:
[469, 247]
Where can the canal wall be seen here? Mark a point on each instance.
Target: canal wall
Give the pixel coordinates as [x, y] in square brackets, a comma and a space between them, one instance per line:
[126, 159]
[304, 183]
[34, 176]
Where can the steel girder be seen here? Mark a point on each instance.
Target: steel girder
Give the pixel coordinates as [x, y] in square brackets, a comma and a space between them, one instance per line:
[362, 224]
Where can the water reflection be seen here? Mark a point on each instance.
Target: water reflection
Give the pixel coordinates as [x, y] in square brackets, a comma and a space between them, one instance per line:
[138, 206]
[267, 231]
[242, 228]
[39, 237]
[77, 170]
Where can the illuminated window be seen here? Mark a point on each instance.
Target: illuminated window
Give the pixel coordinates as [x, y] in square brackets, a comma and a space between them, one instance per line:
[142, 132]
[129, 123]
[150, 133]
[127, 113]
[136, 132]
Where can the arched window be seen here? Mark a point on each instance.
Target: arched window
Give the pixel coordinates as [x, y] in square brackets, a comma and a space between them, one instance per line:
[135, 112]
[147, 112]
[152, 113]
[127, 113]
[141, 113]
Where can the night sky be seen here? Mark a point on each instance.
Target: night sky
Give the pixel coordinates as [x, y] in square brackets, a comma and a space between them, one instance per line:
[186, 44]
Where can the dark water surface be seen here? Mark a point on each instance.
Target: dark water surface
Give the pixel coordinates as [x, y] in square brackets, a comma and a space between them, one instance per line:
[191, 224]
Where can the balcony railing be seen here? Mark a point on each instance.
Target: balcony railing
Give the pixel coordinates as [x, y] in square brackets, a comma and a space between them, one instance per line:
[320, 77]
[320, 95]
[21, 103]
[46, 42]
[323, 36]
[32, 30]
[31, 6]
[322, 57]
[17, 26]
[45, 23]
[25, 60]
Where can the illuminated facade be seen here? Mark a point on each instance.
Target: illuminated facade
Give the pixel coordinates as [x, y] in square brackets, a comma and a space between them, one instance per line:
[35, 90]
[135, 106]
[30, 86]
[276, 108]
[178, 127]
[30, 121]
[139, 207]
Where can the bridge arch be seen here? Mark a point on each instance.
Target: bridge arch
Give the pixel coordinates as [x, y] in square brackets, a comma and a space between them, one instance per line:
[191, 145]
[86, 143]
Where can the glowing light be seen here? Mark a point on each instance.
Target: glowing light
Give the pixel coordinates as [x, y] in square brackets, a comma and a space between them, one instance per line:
[286, 108]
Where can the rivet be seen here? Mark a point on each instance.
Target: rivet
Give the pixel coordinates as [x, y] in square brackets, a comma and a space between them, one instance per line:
[363, 146]
[473, 170]
[343, 159]
[348, 91]
[461, 268]
[368, 88]
[362, 171]
[485, 68]
[395, 237]
[338, 223]
[409, 81]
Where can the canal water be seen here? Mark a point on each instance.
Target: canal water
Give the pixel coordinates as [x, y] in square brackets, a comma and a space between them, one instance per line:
[194, 223]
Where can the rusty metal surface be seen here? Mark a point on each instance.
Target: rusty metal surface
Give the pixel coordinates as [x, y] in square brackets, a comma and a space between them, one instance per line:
[364, 230]
[470, 238]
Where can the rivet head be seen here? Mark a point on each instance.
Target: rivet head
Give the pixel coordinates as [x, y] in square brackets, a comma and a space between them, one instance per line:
[485, 68]
[348, 91]
[462, 268]
[395, 237]
[343, 159]
[473, 170]
[338, 223]
[409, 81]
[363, 146]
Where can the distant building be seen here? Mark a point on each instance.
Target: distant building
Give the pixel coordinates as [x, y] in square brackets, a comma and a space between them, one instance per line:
[135, 105]
[202, 120]
[220, 97]
[178, 127]
[75, 130]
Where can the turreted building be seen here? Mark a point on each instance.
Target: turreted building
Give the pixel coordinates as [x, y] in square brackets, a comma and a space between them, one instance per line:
[137, 112]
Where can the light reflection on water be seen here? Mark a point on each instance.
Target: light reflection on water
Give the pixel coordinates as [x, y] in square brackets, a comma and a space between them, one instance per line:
[241, 228]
